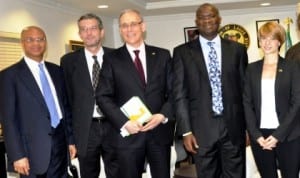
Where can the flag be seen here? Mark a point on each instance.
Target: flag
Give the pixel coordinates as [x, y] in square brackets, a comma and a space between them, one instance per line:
[288, 40]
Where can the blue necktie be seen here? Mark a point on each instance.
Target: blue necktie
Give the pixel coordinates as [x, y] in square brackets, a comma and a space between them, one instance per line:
[48, 96]
[215, 80]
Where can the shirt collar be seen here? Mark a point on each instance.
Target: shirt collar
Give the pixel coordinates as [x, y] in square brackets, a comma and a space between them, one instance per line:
[131, 48]
[216, 40]
[99, 53]
[32, 62]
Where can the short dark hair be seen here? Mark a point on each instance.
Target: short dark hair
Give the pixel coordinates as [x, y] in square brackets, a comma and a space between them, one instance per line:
[205, 5]
[91, 16]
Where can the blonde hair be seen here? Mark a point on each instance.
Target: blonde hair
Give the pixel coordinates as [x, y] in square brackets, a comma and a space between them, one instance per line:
[272, 29]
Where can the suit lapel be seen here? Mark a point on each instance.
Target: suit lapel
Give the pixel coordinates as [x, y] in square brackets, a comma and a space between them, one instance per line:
[82, 71]
[197, 54]
[151, 60]
[256, 80]
[29, 81]
[279, 74]
[128, 63]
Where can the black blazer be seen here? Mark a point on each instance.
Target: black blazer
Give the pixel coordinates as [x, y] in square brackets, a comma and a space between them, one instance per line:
[119, 81]
[25, 116]
[294, 52]
[80, 94]
[192, 91]
[287, 99]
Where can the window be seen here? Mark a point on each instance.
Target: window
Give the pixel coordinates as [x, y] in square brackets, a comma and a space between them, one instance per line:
[10, 49]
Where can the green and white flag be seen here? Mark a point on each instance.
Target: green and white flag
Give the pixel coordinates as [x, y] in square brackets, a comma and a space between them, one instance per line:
[288, 40]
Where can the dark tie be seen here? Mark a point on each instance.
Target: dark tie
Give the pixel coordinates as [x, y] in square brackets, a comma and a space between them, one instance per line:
[139, 67]
[95, 73]
[95, 78]
[48, 96]
[215, 80]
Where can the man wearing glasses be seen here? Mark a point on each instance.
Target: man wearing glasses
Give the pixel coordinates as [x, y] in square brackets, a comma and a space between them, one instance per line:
[92, 132]
[137, 69]
[35, 113]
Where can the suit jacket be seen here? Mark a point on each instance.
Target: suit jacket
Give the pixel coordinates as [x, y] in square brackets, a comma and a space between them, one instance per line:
[81, 95]
[287, 99]
[192, 91]
[293, 53]
[119, 81]
[25, 116]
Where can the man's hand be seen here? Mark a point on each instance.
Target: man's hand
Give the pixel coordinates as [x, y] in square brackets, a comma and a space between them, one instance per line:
[72, 151]
[132, 127]
[153, 122]
[190, 143]
[21, 166]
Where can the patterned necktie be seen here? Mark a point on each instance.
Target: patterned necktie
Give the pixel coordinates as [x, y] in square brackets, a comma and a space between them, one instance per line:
[95, 73]
[95, 78]
[48, 96]
[139, 67]
[215, 80]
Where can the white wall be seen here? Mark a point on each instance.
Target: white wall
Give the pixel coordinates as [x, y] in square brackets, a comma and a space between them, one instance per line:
[59, 24]
[164, 31]
[167, 31]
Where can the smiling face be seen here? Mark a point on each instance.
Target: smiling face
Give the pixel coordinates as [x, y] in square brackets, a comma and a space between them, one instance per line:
[132, 28]
[33, 41]
[90, 33]
[271, 36]
[269, 45]
[208, 21]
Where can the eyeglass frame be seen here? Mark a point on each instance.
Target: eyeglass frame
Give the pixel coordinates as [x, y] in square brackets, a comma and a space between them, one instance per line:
[131, 25]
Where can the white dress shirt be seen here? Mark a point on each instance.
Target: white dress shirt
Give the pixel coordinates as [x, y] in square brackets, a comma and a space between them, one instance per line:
[34, 68]
[90, 61]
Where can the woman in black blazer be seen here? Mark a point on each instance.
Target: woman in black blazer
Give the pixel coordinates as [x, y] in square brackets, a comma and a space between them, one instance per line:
[272, 102]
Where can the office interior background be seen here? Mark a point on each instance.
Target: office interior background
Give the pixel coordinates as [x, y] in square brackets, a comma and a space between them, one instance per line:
[163, 29]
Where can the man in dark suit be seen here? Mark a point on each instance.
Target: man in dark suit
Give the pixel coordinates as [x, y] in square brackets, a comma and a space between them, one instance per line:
[34, 112]
[208, 80]
[146, 75]
[92, 132]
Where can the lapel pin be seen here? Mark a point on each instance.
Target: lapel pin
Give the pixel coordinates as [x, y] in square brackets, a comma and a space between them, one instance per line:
[280, 70]
[153, 53]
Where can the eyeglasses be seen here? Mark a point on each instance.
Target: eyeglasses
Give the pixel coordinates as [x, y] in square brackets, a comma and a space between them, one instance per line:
[86, 29]
[131, 25]
[32, 40]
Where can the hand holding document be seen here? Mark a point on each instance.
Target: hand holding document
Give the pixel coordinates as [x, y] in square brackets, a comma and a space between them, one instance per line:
[135, 110]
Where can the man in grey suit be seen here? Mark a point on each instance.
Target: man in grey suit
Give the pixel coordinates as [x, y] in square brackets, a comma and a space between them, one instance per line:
[208, 82]
[91, 129]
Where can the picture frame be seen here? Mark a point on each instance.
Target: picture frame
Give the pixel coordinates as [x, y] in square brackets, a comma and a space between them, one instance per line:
[190, 33]
[259, 23]
[75, 45]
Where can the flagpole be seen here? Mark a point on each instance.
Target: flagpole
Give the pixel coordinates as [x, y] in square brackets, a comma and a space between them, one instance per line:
[288, 40]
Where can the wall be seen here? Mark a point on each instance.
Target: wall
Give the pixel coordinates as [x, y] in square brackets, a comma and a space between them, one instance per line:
[59, 24]
[167, 31]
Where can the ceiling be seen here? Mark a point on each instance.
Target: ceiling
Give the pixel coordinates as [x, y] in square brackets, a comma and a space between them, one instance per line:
[159, 7]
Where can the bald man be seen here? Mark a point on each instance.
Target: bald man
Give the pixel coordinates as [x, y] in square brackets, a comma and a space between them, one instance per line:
[34, 112]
